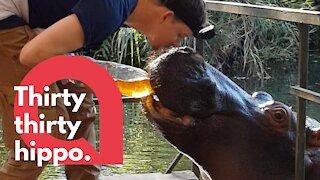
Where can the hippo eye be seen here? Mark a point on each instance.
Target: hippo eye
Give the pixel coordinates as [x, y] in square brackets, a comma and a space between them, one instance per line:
[280, 114]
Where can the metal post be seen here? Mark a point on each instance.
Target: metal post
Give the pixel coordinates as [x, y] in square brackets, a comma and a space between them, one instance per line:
[198, 46]
[174, 163]
[302, 81]
[196, 170]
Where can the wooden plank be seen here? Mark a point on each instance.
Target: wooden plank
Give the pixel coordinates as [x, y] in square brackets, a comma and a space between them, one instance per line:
[305, 94]
[278, 13]
[124, 100]
[301, 102]
[179, 175]
[130, 99]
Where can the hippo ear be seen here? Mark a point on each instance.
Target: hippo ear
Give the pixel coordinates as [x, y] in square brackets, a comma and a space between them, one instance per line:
[313, 138]
[312, 132]
[262, 98]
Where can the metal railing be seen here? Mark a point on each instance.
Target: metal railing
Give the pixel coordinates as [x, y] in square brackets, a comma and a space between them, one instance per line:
[304, 18]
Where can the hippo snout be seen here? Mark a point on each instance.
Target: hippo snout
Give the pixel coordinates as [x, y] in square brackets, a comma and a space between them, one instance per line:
[230, 133]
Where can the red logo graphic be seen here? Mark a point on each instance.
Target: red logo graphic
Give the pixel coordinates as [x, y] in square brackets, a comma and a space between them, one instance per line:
[111, 112]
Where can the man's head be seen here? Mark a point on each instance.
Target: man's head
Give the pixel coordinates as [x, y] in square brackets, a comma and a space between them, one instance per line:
[166, 22]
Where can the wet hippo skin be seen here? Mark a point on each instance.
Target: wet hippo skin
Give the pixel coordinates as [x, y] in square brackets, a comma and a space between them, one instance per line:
[231, 134]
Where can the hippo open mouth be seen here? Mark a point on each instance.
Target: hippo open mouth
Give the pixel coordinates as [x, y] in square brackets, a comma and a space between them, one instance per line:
[230, 133]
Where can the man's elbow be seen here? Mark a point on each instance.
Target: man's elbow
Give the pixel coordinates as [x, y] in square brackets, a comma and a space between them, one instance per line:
[27, 56]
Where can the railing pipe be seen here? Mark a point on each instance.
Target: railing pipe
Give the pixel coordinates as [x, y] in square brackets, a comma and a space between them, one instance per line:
[303, 82]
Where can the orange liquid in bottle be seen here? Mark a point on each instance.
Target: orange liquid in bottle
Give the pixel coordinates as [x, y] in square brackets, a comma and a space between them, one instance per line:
[134, 88]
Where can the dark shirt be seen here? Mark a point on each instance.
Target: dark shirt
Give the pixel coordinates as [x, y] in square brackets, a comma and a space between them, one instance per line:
[98, 18]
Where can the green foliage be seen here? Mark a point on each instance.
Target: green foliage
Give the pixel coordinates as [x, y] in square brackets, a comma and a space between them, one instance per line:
[306, 4]
[309, 4]
[241, 47]
[126, 46]
[244, 44]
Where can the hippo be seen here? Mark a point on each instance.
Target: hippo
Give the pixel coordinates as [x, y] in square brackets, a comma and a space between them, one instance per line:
[230, 134]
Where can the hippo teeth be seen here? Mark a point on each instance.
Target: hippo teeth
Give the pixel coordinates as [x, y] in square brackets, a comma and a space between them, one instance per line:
[155, 97]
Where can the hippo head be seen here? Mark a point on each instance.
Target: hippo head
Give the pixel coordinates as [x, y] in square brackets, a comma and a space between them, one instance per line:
[231, 134]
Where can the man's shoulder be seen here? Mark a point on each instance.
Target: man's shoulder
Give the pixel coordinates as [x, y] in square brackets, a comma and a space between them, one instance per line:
[100, 18]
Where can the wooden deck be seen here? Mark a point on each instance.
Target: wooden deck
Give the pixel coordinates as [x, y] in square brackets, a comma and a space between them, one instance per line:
[178, 175]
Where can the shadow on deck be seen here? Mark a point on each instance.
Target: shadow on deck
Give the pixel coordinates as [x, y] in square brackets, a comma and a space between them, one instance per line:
[178, 175]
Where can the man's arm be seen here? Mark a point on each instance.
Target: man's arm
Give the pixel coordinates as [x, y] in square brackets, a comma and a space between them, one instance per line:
[64, 36]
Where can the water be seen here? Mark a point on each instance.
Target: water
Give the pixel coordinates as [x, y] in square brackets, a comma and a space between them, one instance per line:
[284, 75]
[145, 151]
